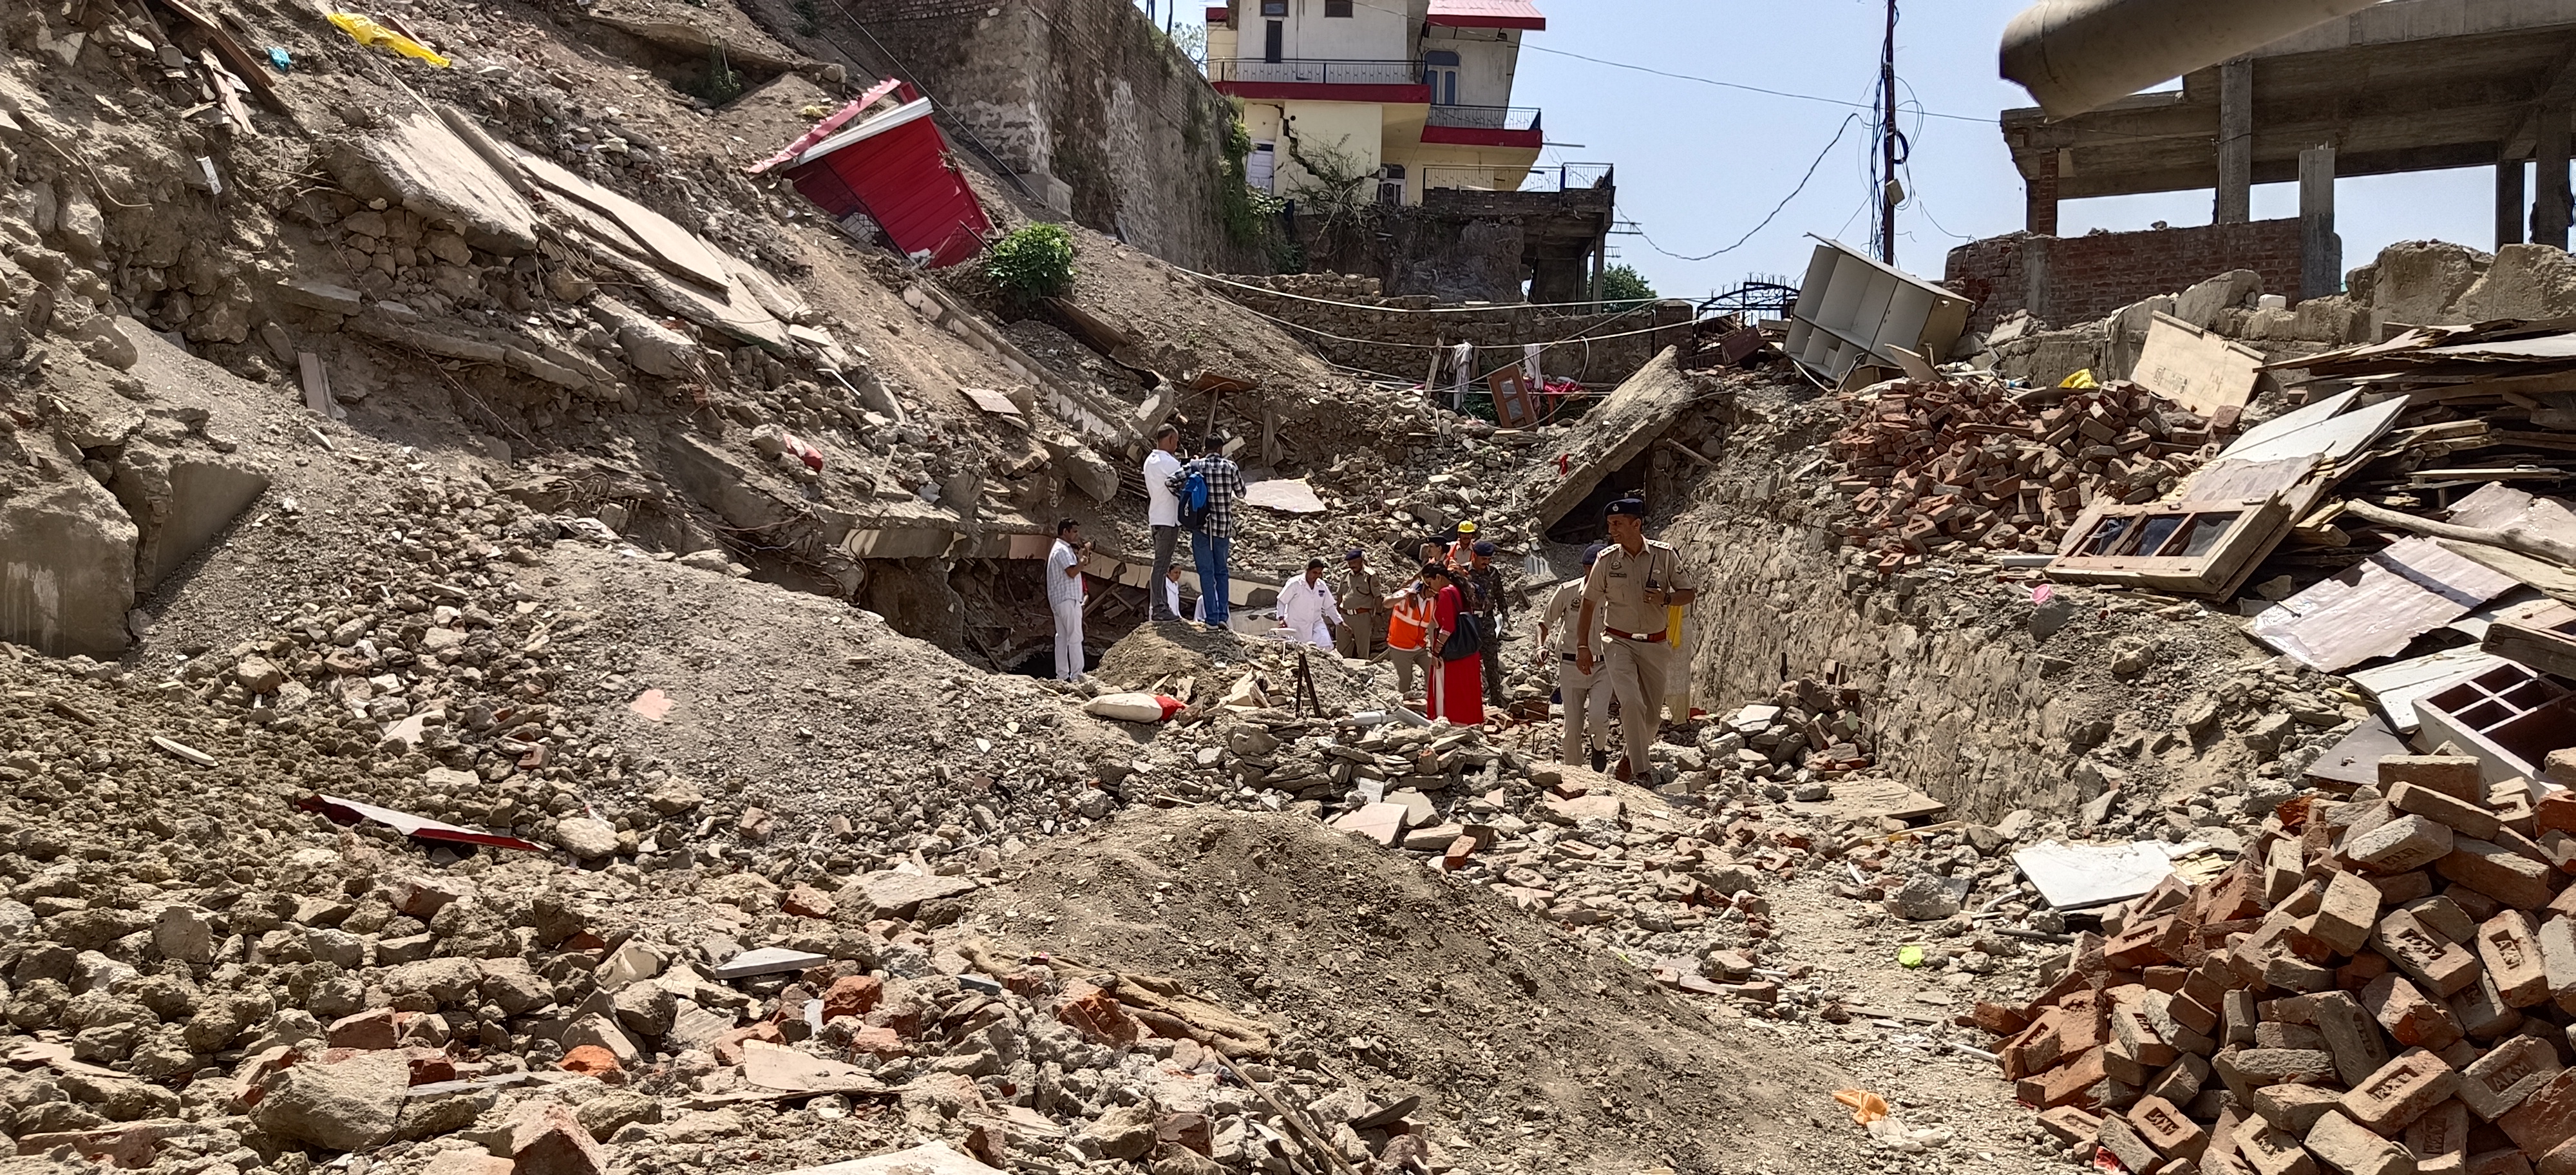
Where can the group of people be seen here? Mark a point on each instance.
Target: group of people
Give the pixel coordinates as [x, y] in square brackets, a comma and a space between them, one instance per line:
[1610, 632]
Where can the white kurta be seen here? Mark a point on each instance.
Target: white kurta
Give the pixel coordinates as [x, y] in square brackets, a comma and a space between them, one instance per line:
[1307, 607]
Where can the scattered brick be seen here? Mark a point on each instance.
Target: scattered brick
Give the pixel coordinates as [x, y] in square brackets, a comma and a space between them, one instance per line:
[2411, 1083]
[2507, 1074]
[2354, 1149]
[2456, 776]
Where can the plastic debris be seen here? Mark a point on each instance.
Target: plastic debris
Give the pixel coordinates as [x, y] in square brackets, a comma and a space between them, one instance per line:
[365, 31]
[1866, 1107]
[341, 811]
[281, 60]
[1909, 955]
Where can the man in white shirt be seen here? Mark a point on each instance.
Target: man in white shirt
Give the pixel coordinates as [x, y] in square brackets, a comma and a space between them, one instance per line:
[1064, 595]
[1306, 606]
[1163, 508]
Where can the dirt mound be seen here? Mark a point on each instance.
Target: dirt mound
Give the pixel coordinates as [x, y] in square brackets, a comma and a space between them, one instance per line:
[1529, 1050]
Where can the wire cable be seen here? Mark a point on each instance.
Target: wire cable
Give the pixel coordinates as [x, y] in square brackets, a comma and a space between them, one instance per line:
[1776, 209]
[1737, 85]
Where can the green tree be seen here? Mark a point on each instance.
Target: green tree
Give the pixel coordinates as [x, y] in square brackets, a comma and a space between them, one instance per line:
[1623, 288]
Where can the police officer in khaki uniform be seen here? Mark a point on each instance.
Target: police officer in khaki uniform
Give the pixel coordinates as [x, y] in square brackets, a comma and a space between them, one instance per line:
[1627, 592]
[1362, 635]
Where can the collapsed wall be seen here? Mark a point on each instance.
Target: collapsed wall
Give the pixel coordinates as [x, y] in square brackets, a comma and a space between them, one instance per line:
[1978, 692]
[1353, 322]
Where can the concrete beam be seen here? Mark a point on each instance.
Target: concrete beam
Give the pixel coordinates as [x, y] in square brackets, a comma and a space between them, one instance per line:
[2559, 92]
[2320, 250]
[2235, 142]
[2039, 197]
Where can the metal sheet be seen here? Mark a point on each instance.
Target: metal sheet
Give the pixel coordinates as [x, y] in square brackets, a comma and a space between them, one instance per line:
[2373, 609]
[2075, 877]
[2397, 684]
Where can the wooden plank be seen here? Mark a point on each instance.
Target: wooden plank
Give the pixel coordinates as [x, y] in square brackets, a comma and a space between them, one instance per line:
[317, 387]
[242, 63]
[228, 92]
[2542, 636]
[2199, 369]
[2373, 609]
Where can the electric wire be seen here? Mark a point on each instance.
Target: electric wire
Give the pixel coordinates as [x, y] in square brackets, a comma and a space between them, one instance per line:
[1776, 209]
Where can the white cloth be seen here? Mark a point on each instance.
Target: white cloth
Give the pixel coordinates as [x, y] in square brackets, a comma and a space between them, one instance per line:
[1162, 506]
[1172, 596]
[1529, 364]
[1306, 607]
[1068, 639]
[1062, 587]
[1462, 361]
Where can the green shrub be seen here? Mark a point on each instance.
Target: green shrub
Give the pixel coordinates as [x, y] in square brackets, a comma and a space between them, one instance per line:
[1031, 263]
[1623, 288]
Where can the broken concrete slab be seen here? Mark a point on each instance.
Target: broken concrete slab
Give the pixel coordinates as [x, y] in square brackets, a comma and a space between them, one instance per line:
[930, 1158]
[417, 162]
[766, 961]
[894, 893]
[1612, 435]
[179, 500]
[66, 568]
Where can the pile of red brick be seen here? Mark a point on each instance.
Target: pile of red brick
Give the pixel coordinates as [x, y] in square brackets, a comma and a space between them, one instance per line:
[1935, 466]
[2380, 987]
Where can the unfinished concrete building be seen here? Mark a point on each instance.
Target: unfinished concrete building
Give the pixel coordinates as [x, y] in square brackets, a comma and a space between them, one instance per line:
[2402, 86]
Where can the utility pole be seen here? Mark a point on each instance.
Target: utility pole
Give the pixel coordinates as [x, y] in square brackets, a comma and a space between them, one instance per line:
[1887, 189]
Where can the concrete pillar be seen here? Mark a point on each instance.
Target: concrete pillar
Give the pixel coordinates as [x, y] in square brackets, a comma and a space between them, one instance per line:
[2040, 196]
[2320, 250]
[2508, 202]
[2236, 141]
[2549, 204]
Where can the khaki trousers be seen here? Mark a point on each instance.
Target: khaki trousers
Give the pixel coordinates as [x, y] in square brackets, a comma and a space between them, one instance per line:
[1587, 710]
[1407, 662]
[1636, 671]
[1362, 635]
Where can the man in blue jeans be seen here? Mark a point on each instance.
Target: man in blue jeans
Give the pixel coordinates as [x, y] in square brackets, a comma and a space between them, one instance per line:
[1212, 538]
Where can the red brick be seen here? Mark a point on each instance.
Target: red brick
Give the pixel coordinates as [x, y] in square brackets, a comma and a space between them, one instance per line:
[2407, 1016]
[2404, 844]
[2352, 1148]
[365, 1030]
[2409, 1084]
[2554, 812]
[590, 1060]
[853, 995]
[1998, 1019]
[2465, 816]
[2346, 912]
[2350, 1034]
[2507, 1074]
[2166, 1128]
[2546, 1119]
[2271, 1152]
[2509, 945]
[2071, 1125]
[2500, 873]
[2127, 1145]
[805, 901]
[2293, 1107]
[2440, 1140]
[2432, 960]
[2482, 1013]
[550, 1141]
[2506, 1161]
[2452, 775]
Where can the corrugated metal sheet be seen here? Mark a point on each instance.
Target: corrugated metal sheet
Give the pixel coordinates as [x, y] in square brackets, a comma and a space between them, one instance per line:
[1487, 14]
[902, 178]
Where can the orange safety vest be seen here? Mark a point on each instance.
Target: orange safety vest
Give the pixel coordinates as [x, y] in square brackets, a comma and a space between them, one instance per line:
[1408, 624]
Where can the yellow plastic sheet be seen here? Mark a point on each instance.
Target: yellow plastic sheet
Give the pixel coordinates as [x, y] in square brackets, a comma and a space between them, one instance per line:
[2079, 380]
[365, 31]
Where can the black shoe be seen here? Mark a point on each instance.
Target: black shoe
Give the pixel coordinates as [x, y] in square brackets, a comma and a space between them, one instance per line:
[1600, 759]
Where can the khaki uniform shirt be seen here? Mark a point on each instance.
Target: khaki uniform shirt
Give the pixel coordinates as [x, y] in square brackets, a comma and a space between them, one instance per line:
[1564, 610]
[1619, 581]
[1358, 591]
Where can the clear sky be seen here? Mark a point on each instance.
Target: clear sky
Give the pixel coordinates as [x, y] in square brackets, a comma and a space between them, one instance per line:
[1699, 165]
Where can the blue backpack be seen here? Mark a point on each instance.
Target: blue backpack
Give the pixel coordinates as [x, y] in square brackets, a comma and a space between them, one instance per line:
[1194, 498]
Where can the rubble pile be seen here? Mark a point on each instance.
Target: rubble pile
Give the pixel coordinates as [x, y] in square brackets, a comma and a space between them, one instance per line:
[1943, 466]
[2377, 986]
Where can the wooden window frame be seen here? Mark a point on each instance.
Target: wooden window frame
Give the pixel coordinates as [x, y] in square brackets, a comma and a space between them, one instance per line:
[2213, 571]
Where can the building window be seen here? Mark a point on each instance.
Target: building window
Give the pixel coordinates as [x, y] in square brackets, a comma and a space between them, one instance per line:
[1337, 7]
[1440, 72]
[1274, 7]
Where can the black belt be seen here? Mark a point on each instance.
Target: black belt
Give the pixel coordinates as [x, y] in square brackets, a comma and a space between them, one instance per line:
[1651, 638]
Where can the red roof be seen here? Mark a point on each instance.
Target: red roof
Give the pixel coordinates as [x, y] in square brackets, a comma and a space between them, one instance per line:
[1217, 14]
[895, 168]
[1487, 14]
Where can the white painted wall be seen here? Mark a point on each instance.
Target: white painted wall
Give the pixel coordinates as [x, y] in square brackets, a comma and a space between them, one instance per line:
[1486, 62]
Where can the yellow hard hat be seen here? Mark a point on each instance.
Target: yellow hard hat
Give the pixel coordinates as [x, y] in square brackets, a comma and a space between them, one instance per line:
[1466, 528]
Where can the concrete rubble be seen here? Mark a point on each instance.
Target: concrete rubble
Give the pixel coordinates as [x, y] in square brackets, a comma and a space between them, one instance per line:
[517, 645]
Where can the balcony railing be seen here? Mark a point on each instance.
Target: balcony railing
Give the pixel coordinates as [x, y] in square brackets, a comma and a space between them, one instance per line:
[1486, 118]
[1314, 71]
